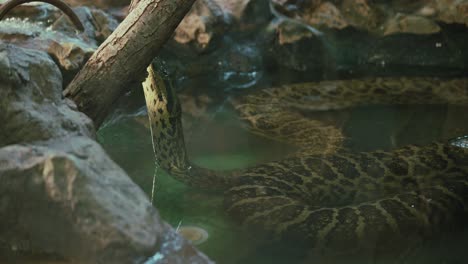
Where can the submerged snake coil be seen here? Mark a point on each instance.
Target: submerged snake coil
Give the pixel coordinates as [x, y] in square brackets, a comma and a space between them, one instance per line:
[342, 201]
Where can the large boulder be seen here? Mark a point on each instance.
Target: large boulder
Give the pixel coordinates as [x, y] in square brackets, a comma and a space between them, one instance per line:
[377, 17]
[60, 193]
[207, 20]
[43, 27]
[371, 37]
[31, 99]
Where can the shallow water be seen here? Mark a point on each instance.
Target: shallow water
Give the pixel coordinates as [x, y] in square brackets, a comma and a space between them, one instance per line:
[217, 140]
[221, 143]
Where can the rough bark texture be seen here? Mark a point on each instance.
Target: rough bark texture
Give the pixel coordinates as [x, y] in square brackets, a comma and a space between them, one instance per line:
[125, 55]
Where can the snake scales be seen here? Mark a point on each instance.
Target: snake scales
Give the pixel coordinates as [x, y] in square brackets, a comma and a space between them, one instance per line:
[339, 201]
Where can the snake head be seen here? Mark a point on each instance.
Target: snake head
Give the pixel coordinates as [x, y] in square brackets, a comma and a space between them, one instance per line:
[9, 5]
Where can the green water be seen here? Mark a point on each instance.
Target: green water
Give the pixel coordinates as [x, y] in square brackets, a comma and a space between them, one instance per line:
[221, 143]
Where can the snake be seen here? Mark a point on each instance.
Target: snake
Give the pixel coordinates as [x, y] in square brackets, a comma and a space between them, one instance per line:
[338, 200]
[332, 199]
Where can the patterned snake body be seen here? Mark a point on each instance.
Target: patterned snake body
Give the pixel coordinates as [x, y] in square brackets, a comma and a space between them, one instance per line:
[341, 201]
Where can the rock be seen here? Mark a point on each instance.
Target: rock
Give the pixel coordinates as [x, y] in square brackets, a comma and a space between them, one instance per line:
[240, 66]
[450, 11]
[289, 33]
[105, 4]
[31, 99]
[60, 194]
[200, 24]
[234, 8]
[39, 11]
[59, 39]
[196, 27]
[412, 24]
[359, 14]
[97, 23]
[63, 198]
[378, 17]
[326, 14]
[207, 19]
[70, 52]
[376, 30]
[176, 250]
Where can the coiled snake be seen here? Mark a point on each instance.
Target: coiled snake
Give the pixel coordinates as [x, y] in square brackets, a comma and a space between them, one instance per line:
[341, 201]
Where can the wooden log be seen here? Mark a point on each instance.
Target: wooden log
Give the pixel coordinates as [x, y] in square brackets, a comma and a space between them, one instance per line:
[125, 55]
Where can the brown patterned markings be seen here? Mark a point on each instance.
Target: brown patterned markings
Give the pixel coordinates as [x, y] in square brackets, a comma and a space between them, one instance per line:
[391, 184]
[264, 123]
[406, 220]
[296, 168]
[289, 130]
[272, 195]
[314, 224]
[343, 235]
[456, 157]
[325, 197]
[314, 182]
[295, 177]
[266, 181]
[320, 168]
[445, 202]
[408, 183]
[382, 155]
[367, 182]
[346, 182]
[376, 226]
[256, 206]
[369, 165]
[397, 166]
[418, 204]
[418, 169]
[407, 151]
[339, 195]
[273, 218]
[454, 195]
[456, 173]
[344, 166]
[432, 159]
[237, 194]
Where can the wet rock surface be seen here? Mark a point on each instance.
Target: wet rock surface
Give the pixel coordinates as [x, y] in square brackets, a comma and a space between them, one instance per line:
[31, 99]
[43, 27]
[209, 20]
[382, 35]
[60, 194]
[378, 17]
[204, 20]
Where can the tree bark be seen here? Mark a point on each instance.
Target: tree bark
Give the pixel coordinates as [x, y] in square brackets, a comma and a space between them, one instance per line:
[125, 55]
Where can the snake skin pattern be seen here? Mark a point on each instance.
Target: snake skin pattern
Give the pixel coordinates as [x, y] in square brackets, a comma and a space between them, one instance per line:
[342, 201]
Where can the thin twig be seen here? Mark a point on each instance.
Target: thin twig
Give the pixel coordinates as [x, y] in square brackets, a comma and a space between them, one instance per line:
[57, 3]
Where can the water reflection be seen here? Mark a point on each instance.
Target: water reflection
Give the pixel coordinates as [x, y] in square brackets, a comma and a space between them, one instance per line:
[240, 67]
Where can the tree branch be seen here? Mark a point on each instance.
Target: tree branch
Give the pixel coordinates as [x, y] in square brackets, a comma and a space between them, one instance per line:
[124, 55]
[6, 7]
